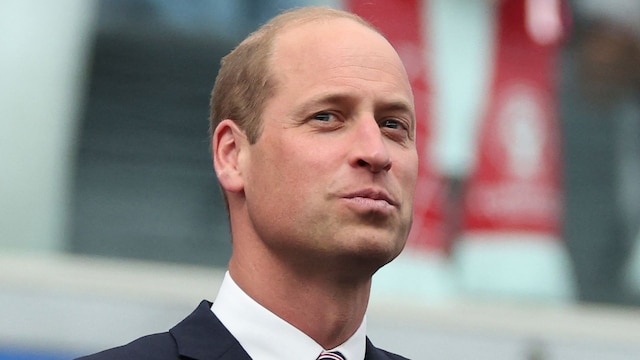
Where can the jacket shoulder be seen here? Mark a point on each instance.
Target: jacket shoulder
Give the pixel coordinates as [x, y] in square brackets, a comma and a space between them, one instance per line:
[374, 353]
[160, 346]
[393, 356]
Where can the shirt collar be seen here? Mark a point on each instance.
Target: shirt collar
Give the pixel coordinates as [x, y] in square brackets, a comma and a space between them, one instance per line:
[265, 336]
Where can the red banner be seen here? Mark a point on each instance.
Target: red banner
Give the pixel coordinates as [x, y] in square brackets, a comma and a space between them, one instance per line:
[516, 184]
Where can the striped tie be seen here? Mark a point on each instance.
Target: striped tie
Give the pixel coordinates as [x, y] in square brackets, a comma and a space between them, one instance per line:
[331, 355]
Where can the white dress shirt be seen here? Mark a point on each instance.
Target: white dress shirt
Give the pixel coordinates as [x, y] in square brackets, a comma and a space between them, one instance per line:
[265, 336]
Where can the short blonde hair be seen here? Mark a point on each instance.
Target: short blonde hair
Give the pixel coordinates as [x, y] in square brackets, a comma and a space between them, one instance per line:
[245, 80]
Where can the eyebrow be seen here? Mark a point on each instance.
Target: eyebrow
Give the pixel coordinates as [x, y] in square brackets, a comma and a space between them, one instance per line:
[399, 106]
[326, 99]
[339, 98]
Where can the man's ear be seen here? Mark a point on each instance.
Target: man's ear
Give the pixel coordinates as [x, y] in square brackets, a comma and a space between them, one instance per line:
[227, 143]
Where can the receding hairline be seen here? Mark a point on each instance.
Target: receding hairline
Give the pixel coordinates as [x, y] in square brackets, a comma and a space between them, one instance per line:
[294, 18]
[263, 42]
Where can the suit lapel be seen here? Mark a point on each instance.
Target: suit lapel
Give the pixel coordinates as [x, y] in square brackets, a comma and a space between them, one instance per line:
[202, 336]
[373, 353]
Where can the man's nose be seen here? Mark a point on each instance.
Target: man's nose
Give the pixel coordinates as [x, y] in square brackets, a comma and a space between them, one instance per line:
[369, 148]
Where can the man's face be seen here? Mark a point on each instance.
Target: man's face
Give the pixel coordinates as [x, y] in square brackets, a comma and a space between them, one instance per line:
[332, 176]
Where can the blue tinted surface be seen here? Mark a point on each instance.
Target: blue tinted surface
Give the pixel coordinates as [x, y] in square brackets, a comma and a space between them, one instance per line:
[21, 354]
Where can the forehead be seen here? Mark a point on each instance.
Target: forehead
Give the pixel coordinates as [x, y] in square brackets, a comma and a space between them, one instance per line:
[322, 38]
[335, 50]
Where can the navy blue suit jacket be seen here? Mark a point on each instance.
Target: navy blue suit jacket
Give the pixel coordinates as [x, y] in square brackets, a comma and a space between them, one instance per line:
[200, 336]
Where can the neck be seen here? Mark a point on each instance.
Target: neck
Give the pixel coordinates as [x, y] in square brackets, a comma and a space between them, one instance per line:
[326, 306]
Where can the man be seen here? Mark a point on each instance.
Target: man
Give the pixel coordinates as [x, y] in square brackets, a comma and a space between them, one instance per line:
[313, 140]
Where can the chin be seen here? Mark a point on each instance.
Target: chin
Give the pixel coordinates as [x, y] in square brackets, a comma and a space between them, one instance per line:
[376, 254]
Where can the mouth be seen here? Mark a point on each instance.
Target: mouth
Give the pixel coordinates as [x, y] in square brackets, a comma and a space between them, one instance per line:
[372, 197]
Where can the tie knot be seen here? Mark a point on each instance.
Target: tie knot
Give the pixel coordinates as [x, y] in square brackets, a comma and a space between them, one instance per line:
[331, 355]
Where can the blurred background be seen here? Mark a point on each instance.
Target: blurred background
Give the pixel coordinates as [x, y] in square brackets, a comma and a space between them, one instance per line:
[526, 239]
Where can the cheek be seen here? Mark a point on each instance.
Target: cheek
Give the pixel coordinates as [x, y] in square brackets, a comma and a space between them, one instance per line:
[407, 168]
[285, 176]
[408, 176]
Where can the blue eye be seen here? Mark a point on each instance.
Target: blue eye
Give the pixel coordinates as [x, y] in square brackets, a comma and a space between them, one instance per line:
[323, 116]
[392, 124]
